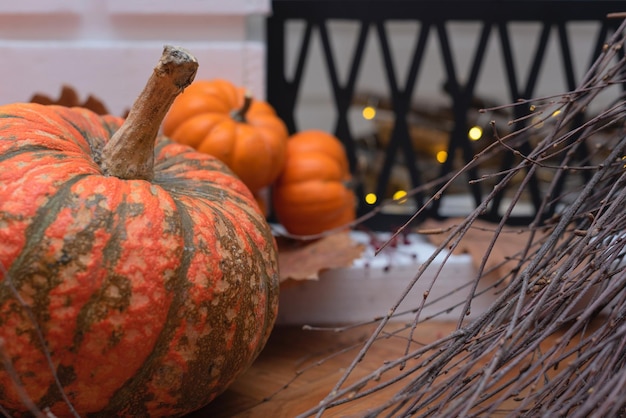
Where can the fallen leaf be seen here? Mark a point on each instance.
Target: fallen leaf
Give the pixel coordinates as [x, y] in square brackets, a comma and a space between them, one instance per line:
[305, 261]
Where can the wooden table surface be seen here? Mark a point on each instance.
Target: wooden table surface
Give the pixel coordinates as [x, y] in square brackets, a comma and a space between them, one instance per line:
[289, 377]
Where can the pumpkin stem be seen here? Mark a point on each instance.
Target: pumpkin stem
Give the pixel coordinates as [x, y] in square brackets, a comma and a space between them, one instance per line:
[129, 154]
[239, 115]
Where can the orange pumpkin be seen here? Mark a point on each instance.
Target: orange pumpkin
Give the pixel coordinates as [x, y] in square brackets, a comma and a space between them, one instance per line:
[221, 119]
[138, 277]
[312, 195]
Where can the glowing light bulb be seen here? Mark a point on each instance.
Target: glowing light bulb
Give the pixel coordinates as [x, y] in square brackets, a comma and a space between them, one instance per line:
[556, 113]
[400, 196]
[442, 157]
[475, 133]
[369, 112]
[370, 198]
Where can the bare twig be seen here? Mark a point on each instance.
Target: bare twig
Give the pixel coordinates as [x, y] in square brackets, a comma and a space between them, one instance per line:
[570, 278]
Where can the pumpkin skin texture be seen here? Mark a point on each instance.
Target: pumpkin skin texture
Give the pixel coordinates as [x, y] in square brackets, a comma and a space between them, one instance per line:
[311, 194]
[151, 296]
[218, 118]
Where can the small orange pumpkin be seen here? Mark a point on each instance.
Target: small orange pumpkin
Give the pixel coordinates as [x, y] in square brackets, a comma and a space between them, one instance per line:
[218, 118]
[311, 195]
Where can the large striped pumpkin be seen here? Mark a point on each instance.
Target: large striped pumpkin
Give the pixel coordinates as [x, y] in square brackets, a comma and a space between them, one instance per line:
[150, 297]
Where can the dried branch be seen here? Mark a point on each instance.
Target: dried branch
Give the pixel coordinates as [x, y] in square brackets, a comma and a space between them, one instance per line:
[570, 278]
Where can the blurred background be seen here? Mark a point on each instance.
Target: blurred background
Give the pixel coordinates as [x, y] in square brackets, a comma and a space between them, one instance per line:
[403, 83]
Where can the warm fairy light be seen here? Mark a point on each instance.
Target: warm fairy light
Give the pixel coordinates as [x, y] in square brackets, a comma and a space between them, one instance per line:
[370, 198]
[369, 112]
[400, 196]
[532, 108]
[556, 113]
[442, 156]
[475, 133]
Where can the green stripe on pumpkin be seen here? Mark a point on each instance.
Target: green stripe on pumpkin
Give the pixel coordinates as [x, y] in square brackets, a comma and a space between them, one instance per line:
[95, 142]
[132, 396]
[28, 149]
[206, 384]
[96, 308]
[28, 262]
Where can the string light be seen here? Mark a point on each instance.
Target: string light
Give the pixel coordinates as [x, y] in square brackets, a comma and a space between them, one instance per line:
[442, 157]
[369, 112]
[400, 196]
[371, 198]
[475, 133]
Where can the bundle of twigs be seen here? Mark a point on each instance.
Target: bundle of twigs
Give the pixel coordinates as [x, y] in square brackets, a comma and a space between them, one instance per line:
[570, 277]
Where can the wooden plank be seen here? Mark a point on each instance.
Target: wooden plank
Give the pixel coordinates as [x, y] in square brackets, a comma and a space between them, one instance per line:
[287, 379]
[296, 371]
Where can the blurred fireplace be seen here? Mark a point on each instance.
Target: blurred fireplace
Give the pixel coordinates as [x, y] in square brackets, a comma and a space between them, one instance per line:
[402, 82]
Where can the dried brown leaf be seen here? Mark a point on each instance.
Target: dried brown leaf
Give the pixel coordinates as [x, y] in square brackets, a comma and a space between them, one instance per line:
[69, 98]
[305, 261]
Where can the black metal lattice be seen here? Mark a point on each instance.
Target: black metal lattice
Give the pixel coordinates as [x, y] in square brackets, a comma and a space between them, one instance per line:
[494, 18]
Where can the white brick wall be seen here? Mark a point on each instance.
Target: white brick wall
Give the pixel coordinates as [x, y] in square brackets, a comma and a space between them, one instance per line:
[109, 47]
